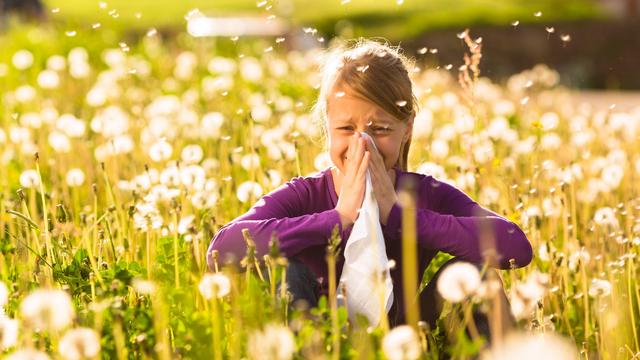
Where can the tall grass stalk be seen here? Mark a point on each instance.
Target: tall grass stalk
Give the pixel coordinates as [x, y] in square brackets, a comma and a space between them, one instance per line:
[409, 254]
[331, 254]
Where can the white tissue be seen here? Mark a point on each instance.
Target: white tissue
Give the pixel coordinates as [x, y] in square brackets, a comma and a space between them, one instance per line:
[366, 260]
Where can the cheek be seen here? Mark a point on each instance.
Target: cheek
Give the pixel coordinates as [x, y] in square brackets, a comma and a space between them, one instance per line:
[338, 148]
[389, 150]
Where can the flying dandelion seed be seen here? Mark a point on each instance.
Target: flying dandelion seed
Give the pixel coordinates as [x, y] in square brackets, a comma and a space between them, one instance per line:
[70, 33]
[138, 15]
[550, 30]
[279, 40]
[261, 4]
[515, 23]
[55, 10]
[152, 32]
[524, 100]
[422, 51]
[399, 2]
[537, 14]
[95, 25]
[463, 34]
[269, 49]
[448, 66]
[565, 38]
[433, 51]
[102, 5]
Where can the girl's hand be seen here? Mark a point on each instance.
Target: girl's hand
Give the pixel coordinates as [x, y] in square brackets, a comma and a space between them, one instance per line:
[381, 180]
[353, 181]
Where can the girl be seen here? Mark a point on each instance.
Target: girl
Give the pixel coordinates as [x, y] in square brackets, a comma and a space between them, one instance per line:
[367, 89]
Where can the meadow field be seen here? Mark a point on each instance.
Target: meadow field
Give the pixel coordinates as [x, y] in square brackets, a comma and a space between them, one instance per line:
[121, 158]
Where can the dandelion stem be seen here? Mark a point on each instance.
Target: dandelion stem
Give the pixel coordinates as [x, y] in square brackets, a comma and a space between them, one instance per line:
[176, 269]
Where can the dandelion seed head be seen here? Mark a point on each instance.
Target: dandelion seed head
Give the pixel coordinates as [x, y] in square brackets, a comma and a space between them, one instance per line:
[79, 343]
[75, 177]
[547, 345]
[8, 332]
[47, 309]
[402, 343]
[247, 190]
[27, 354]
[48, 79]
[274, 342]
[192, 154]
[22, 59]
[599, 288]
[458, 281]
[214, 285]
[29, 179]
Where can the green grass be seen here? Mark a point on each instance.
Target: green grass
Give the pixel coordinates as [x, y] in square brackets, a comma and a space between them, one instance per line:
[366, 18]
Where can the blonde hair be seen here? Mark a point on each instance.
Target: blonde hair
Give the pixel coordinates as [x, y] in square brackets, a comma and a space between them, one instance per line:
[378, 73]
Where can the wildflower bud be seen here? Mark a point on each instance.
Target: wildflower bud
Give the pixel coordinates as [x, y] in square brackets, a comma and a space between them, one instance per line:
[21, 194]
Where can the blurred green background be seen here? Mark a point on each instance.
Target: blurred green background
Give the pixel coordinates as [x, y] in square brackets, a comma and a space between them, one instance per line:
[393, 19]
[600, 48]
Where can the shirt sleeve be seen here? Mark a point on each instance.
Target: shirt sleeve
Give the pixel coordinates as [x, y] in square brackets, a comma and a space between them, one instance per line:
[463, 228]
[280, 211]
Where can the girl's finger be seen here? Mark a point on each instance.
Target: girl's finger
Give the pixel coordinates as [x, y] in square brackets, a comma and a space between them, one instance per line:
[364, 165]
[351, 149]
[359, 152]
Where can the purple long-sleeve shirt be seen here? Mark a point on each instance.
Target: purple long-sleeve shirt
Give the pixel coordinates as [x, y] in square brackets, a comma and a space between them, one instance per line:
[302, 213]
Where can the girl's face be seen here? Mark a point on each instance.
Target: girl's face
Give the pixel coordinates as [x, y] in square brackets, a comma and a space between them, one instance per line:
[347, 113]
